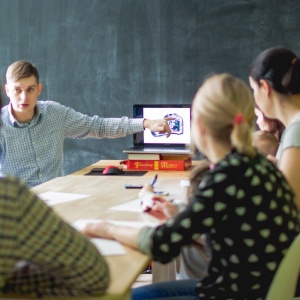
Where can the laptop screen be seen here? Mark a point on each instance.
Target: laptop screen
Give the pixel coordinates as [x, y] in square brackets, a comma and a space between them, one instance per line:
[180, 125]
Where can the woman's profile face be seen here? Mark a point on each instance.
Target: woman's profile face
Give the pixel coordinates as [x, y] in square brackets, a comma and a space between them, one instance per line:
[259, 97]
[260, 121]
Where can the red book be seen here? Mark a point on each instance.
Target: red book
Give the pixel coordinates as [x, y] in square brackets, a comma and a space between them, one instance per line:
[167, 163]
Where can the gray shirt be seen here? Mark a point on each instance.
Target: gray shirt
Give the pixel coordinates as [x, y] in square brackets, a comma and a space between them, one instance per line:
[34, 151]
[290, 138]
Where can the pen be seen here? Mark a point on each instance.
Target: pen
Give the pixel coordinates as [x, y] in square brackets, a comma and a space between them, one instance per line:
[153, 180]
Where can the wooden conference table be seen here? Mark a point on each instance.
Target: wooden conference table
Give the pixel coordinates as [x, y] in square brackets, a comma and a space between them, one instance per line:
[103, 193]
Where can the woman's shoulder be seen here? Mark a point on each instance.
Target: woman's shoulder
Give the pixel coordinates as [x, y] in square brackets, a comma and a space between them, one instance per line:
[291, 134]
[228, 170]
[234, 162]
[238, 167]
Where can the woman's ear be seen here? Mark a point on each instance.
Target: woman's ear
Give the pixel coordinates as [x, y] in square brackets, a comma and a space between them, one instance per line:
[265, 87]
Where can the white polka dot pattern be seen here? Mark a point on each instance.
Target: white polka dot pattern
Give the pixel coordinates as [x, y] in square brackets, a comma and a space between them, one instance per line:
[249, 211]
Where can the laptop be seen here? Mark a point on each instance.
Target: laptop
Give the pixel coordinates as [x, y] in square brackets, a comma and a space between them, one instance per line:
[153, 142]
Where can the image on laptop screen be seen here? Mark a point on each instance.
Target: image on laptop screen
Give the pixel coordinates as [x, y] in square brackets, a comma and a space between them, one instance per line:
[180, 125]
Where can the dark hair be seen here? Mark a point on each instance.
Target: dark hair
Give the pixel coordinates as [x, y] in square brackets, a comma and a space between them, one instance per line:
[280, 67]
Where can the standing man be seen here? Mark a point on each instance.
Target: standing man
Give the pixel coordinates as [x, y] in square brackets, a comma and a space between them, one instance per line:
[33, 132]
[40, 254]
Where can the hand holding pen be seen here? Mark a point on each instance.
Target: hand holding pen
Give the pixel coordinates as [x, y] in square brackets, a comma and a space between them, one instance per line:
[155, 205]
[153, 180]
[161, 193]
[147, 194]
[148, 187]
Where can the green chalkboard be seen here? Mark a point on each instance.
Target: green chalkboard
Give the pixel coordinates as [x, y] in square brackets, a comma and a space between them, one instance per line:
[103, 56]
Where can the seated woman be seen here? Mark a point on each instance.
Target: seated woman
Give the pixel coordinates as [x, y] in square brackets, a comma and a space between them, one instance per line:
[243, 202]
[275, 79]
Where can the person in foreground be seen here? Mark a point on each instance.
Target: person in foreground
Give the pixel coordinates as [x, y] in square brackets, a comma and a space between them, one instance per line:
[275, 79]
[243, 202]
[40, 254]
[33, 132]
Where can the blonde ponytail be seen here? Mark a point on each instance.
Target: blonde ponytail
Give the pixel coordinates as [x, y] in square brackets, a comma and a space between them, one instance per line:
[241, 137]
[225, 105]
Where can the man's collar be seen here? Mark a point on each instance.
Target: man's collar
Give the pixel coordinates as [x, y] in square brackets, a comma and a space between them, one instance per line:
[13, 120]
[11, 117]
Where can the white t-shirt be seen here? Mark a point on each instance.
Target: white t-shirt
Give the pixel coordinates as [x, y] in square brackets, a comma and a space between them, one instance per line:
[290, 137]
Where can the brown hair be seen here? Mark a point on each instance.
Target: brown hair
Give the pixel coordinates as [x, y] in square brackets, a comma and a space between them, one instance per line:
[219, 101]
[21, 69]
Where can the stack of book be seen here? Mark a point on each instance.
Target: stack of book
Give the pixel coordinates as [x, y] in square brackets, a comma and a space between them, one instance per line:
[155, 161]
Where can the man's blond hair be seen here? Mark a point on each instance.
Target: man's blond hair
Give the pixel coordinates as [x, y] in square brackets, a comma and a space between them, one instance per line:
[21, 69]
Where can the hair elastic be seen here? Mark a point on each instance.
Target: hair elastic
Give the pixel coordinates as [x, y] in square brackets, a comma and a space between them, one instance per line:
[212, 166]
[294, 60]
[238, 119]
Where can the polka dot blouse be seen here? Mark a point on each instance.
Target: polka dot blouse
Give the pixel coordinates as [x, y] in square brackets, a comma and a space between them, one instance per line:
[249, 210]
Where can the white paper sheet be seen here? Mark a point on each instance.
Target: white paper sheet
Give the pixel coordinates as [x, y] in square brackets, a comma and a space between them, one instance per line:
[134, 205]
[53, 198]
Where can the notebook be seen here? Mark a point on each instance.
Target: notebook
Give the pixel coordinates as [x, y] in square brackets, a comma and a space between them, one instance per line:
[153, 142]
